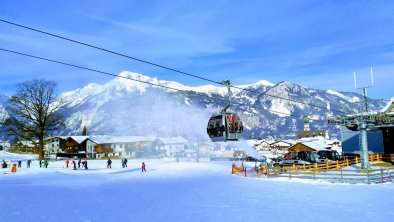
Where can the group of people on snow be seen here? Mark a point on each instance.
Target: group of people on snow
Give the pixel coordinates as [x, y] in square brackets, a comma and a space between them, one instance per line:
[84, 163]
[124, 164]
[80, 161]
[43, 163]
[5, 165]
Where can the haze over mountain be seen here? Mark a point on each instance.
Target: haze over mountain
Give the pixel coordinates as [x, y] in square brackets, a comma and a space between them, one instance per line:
[126, 107]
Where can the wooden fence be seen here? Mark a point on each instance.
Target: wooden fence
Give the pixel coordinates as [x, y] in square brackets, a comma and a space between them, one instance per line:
[330, 171]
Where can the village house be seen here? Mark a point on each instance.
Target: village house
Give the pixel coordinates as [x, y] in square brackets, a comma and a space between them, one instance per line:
[205, 149]
[69, 146]
[125, 146]
[273, 147]
[171, 146]
[53, 145]
[312, 133]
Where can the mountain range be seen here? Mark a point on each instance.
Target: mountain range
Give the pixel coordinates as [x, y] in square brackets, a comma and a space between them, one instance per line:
[126, 107]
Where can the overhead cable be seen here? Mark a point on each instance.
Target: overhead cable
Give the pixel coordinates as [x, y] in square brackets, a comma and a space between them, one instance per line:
[141, 81]
[162, 66]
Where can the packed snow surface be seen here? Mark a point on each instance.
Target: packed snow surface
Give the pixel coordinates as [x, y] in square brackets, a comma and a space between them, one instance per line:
[179, 191]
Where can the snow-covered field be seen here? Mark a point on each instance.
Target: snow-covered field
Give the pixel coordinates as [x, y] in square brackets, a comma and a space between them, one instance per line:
[179, 191]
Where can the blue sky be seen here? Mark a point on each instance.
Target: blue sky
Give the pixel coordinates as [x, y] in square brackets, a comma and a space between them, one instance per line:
[312, 43]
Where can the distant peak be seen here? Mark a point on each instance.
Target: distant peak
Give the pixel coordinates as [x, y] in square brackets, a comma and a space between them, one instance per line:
[132, 75]
[264, 83]
[258, 84]
[285, 83]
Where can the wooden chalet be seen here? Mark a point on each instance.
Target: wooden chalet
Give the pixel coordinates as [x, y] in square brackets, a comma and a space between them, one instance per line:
[300, 147]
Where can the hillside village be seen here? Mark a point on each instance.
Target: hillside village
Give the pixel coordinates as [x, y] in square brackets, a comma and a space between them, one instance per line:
[98, 147]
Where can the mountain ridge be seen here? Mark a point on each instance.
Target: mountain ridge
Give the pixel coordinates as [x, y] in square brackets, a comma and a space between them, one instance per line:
[126, 107]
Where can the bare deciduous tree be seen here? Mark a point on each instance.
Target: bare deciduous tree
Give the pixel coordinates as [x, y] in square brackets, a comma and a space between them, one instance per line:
[33, 112]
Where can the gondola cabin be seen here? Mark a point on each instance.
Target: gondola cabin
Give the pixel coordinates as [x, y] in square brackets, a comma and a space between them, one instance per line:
[225, 126]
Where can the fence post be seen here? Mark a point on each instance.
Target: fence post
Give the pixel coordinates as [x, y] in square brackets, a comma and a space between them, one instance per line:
[347, 162]
[245, 171]
[341, 176]
[337, 165]
[327, 165]
[381, 175]
[268, 170]
[368, 176]
[314, 174]
[303, 166]
[356, 160]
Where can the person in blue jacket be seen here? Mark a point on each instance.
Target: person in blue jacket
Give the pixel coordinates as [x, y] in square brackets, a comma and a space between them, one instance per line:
[109, 162]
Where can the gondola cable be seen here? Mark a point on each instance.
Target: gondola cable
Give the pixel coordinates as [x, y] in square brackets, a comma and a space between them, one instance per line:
[158, 85]
[161, 66]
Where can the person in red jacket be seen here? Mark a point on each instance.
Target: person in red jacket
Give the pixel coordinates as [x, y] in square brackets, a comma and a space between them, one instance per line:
[67, 161]
[143, 169]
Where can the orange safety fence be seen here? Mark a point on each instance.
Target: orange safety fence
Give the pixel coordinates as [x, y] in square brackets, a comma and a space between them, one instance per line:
[249, 171]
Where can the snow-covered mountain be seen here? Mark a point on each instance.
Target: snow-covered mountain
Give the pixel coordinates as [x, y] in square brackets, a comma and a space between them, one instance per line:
[126, 107]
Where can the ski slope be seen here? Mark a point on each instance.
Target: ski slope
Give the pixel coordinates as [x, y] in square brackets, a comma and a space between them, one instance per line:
[180, 191]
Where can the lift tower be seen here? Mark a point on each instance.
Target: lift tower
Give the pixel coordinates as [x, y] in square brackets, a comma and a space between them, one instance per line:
[366, 120]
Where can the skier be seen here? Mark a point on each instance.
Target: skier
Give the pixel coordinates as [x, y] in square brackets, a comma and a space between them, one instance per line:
[122, 162]
[19, 163]
[85, 164]
[67, 161]
[28, 163]
[79, 163]
[40, 163]
[45, 163]
[109, 162]
[4, 164]
[143, 169]
[125, 162]
[75, 166]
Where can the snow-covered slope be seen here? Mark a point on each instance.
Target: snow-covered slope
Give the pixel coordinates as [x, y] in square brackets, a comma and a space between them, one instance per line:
[179, 192]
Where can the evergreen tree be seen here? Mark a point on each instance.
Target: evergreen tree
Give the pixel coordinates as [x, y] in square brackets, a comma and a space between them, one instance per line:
[84, 131]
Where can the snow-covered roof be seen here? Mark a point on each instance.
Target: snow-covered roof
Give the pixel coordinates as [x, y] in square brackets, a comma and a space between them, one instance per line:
[122, 139]
[206, 144]
[281, 143]
[172, 140]
[292, 142]
[79, 139]
[253, 142]
[316, 145]
[61, 137]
